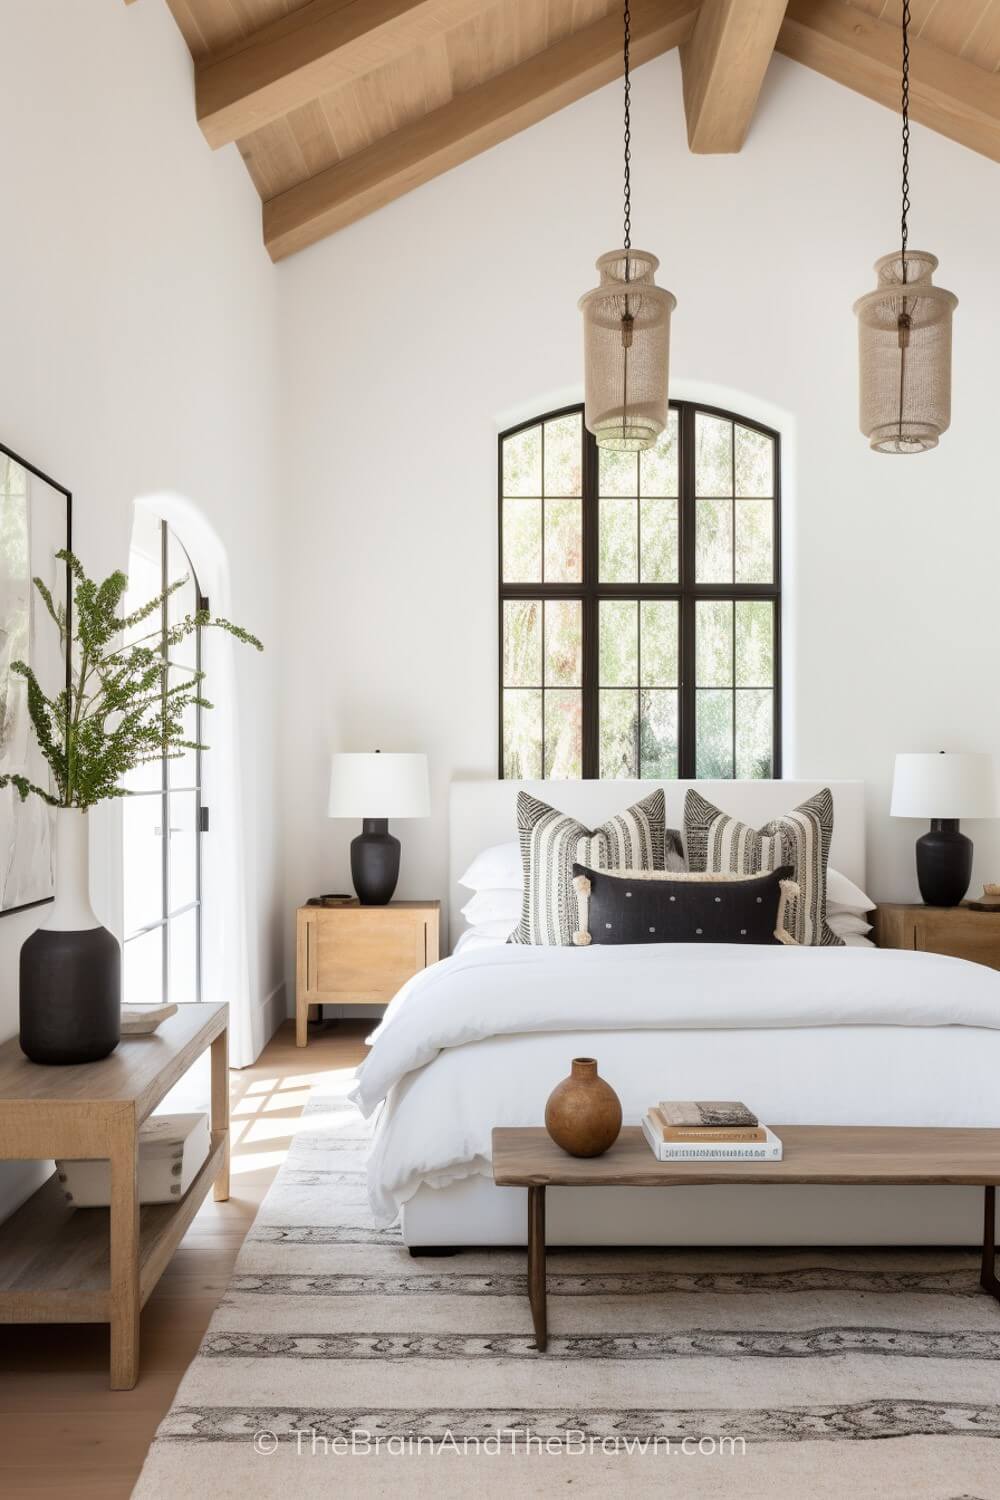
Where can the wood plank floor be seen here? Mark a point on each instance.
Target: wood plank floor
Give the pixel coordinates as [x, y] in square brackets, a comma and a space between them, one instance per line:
[62, 1432]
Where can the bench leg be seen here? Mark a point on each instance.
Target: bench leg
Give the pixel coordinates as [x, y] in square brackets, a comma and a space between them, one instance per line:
[536, 1264]
[124, 1257]
[988, 1278]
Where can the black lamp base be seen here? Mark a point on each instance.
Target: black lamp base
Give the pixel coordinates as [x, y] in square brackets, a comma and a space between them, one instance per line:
[375, 862]
[944, 863]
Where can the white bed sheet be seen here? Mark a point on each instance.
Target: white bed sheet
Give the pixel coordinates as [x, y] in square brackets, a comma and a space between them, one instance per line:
[818, 1035]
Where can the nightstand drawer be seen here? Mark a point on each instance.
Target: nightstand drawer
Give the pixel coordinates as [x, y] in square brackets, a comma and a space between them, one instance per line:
[364, 955]
[976, 938]
[955, 931]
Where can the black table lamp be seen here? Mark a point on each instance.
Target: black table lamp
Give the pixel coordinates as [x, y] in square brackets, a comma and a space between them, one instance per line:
[944, 787]
[376, 787]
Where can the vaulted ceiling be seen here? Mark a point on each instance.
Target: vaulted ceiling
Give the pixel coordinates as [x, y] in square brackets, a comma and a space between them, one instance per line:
[340, 106]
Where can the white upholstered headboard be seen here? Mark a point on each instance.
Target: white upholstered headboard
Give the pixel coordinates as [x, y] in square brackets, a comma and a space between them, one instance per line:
[482, 813]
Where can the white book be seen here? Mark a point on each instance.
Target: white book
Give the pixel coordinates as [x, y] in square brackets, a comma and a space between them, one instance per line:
[721, 1151]
[172, 1151]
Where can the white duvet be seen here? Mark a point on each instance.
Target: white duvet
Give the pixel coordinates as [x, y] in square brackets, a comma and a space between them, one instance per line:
[805, 1034]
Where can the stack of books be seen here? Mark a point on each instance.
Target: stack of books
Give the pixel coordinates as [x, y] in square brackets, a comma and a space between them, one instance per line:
[708, 1130]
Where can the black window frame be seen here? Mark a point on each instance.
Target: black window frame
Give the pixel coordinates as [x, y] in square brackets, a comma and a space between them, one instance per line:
[687, 591]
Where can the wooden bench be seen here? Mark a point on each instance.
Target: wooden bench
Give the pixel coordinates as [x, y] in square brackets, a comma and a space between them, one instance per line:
[859, 1155]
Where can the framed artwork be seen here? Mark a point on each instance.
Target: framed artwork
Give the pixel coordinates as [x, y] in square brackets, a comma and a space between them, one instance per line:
[35, 522]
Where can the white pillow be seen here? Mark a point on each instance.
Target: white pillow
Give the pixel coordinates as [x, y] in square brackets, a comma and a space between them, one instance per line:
[493, 906]
[842, 894]
[847, 923]
[486, 935]
[496, 869]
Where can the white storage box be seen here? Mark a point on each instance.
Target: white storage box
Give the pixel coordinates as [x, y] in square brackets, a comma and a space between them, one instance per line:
[172, 1151]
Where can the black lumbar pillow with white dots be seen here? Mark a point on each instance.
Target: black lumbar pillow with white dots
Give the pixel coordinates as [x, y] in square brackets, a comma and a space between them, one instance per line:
[643, 906]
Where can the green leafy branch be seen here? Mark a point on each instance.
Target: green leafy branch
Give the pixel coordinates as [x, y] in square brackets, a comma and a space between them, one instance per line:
[121, 709]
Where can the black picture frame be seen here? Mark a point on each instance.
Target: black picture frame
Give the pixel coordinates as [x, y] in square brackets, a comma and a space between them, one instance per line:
[59, 489]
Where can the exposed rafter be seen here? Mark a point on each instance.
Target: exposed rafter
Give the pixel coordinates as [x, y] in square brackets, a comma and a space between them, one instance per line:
[471, 123]
[340, 106]
[723, 66]
[322, 45]
[952, 96]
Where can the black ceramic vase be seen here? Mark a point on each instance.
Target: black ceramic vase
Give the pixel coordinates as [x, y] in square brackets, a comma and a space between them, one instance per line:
[71, 966]
[375, 862]
[944, 863]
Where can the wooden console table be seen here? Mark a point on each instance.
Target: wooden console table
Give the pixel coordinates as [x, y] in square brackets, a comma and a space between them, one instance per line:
[93, 1265]
[845, 1154]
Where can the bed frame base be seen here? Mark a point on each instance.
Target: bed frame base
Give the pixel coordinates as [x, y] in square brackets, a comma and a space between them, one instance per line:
[472, 1213]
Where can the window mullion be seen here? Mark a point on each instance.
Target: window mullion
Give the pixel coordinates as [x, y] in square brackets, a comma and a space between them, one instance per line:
[590, 677]
[165, 769]
[776, 675]
[686, 520]
[199, 894]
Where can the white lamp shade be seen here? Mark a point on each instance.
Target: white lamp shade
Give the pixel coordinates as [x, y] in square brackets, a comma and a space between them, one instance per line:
[378, 785]
[944, 785]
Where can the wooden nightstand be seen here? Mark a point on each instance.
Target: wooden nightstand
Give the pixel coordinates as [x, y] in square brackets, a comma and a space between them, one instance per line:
[955, 930]
[360, 955]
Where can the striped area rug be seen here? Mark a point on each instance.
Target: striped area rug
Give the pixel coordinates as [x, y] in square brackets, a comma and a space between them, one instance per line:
[338, 1364]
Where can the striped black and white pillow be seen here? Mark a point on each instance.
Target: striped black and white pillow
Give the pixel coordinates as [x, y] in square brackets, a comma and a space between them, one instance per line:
[552, 843]
[721, 844]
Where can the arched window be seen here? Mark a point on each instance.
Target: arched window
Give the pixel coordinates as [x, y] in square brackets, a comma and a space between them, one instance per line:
[163, 818]
[640, 600]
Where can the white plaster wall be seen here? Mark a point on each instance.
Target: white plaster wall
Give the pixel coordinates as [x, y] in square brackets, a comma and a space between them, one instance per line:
[409, 338]
[137, 344]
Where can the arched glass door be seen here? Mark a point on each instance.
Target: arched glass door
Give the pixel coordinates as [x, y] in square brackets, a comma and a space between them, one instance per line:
[163, 817]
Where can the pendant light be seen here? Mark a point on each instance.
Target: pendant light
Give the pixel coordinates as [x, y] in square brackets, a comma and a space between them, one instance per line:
[626, 333]
[904, 332]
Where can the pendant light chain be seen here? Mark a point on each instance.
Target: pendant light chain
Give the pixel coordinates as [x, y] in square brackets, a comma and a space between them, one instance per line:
[627, 320]
[904, 323]
[626, 323]
[904, 231]
[628, 137]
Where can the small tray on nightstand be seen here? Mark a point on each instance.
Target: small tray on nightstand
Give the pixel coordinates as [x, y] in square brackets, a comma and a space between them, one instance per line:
[988, 901]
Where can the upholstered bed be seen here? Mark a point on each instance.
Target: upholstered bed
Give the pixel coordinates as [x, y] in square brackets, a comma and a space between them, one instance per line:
[806, 1035]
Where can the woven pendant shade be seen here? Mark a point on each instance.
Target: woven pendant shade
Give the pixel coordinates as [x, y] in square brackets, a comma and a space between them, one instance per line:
[904, 344]
[626, 351]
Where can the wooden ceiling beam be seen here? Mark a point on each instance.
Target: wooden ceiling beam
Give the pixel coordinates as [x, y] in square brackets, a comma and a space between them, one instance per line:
[469, 124]
[952, 96]
[723, 66]
[314, 49]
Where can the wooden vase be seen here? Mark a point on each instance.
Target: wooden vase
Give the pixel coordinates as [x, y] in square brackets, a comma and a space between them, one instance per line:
[583, 1114]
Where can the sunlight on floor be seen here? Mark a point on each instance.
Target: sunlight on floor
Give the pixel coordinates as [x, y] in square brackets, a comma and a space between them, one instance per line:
[273, 1129]
[272, 1104]
[266, 1115]
[256, 1162]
